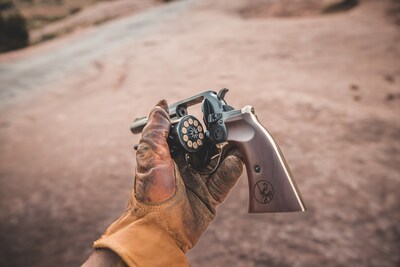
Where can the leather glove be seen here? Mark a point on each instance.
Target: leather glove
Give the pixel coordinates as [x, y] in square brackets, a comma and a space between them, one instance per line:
[171, 205]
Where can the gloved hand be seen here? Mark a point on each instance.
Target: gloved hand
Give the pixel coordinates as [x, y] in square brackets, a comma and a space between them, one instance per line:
[171, 205]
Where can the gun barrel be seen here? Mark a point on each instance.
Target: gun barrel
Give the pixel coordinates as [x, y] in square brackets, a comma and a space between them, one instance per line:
[177, 109]
[138, 125]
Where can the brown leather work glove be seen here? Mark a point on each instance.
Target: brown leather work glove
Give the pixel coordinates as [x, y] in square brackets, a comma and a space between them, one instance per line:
[171, 205]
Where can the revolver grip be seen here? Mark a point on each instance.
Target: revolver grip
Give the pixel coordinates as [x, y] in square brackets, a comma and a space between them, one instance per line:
[272, 187]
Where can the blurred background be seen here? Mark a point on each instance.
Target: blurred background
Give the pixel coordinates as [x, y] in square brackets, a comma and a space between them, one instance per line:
[322, 75]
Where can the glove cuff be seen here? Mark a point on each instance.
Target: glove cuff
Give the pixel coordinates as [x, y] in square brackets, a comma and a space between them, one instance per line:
[142, 243]
[141, 236]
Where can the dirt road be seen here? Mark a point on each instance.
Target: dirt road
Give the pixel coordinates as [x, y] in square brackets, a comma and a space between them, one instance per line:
[327, 87]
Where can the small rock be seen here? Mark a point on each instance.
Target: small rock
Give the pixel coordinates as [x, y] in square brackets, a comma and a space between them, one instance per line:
[389, 78]
[354, 87]
[338, 6]
[392, 96]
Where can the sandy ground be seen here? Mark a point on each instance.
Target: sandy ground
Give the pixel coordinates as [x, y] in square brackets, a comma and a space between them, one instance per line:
[327, 87]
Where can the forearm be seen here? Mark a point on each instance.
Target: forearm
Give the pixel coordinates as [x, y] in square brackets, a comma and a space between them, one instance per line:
[104, 258]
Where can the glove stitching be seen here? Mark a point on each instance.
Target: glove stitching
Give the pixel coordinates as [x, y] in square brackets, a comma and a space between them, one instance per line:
[169, 230]
[215, 192]
[207, 207]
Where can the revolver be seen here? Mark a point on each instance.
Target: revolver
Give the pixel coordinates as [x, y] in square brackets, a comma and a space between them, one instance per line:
[272, 187]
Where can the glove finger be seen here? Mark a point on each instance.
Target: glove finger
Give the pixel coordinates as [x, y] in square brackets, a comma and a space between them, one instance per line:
[226, 176]
[155, 178]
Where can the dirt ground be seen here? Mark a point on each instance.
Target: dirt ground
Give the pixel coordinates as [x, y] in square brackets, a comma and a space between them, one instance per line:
[327, 87]
[77, 15]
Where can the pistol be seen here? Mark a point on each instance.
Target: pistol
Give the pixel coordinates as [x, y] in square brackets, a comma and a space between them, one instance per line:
[272, 187]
